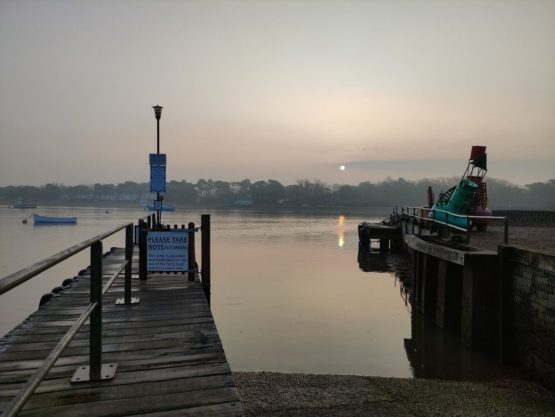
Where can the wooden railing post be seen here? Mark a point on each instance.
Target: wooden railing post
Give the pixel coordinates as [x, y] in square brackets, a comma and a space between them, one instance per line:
[192, 262]
[127, 299]
[95, 328]
[205, 247]
[142, 251]
[129, 259]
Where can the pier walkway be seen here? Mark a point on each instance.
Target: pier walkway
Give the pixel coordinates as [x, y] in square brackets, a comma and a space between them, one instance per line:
[170, 358]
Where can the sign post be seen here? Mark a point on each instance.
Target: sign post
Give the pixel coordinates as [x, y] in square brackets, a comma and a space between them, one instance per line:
[158, 168]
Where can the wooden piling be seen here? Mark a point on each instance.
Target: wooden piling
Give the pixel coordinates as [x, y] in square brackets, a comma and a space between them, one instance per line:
[429, 285]
[192, 261]
[205, 247]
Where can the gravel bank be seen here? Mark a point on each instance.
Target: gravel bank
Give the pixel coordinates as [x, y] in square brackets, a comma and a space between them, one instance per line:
[269, 394]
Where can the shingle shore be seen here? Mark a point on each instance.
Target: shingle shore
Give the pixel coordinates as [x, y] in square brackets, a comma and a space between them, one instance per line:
[270, 394]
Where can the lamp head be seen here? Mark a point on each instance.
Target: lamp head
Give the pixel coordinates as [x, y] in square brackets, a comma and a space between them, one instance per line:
[157, 111]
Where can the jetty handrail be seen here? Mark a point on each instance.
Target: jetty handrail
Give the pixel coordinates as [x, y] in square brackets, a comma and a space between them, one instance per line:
[23, 275]
[505, 219]
[93, 311]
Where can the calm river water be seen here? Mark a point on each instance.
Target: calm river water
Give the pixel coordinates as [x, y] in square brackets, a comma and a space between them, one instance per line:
[288, 292]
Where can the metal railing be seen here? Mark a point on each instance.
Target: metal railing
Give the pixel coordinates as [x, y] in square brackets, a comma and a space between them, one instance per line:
[96, 371]
[417, 214]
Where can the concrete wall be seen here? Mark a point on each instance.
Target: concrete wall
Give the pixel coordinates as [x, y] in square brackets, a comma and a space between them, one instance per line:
[528, 280]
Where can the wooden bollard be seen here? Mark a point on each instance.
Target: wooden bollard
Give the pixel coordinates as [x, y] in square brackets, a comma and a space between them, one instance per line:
[205, 248]
[192, 262]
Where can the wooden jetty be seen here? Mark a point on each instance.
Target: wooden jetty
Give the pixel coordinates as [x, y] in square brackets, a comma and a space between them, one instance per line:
[389, 236]
[169, 357]
[498, 298]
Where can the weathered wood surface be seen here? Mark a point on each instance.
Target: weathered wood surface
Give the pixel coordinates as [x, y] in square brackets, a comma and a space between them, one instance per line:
[381, 231]
[170, 358]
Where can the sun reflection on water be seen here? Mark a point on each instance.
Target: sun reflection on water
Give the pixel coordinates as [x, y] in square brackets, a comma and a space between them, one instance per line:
[341, 230]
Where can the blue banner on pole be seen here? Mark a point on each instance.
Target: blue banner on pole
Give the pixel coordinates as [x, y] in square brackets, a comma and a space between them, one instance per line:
[157, 159]
[157, 178]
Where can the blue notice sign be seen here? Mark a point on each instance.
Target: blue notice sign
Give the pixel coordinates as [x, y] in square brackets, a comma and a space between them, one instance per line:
[157, 159]
[167, 251]
[157, 178]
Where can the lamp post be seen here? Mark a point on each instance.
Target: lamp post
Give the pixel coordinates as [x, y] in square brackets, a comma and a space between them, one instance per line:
[158, 114]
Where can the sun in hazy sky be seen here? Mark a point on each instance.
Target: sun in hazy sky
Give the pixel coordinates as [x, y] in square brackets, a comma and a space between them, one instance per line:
[275, 89]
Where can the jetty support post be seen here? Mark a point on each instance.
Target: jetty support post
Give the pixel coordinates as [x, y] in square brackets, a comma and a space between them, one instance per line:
[429, 284]
[397, 241]
[205, 247]
[191, 267]
[480, 303]
[449, 295]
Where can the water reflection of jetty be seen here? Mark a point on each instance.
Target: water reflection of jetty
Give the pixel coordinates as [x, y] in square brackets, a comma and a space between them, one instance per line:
[372, 260]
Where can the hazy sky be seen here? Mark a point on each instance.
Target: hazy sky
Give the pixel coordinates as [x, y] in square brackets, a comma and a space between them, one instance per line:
[275, 89]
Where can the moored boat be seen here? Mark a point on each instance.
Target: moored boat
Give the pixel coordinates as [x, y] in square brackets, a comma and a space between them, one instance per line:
[38, 219]
[165, 207]
[20, 203]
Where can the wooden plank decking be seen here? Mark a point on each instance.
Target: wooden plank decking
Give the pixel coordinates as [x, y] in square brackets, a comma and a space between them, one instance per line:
[170, 358]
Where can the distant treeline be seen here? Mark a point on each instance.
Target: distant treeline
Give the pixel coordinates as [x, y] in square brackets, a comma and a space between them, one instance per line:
[390, 192]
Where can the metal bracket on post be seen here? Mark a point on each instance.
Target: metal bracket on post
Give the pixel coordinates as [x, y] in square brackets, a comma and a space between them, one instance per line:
[82, 374]
[133, 300]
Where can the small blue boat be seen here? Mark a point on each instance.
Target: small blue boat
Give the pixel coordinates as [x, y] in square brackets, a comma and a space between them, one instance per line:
[38, 219]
